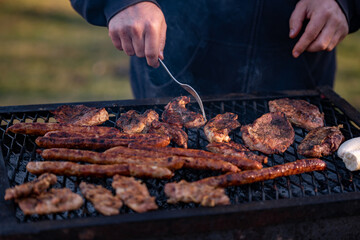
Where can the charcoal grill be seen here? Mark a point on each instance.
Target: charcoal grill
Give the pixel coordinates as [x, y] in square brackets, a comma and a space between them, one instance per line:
[309, 205]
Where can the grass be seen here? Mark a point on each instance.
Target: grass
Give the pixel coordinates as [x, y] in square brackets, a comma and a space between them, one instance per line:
[49, 54]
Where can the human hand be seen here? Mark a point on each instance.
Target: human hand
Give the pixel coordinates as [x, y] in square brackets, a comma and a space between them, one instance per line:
[140, 30]
[326, 28]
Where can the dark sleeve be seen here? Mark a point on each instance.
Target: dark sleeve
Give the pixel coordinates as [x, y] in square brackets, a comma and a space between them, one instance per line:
[99, 12]
[351, 9]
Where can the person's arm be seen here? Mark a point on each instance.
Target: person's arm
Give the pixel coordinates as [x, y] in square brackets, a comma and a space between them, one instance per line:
[351, 9]
[327, 25]
[136, 27]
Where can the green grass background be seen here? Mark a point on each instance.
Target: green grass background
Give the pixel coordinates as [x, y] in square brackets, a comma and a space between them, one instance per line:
[49, 54]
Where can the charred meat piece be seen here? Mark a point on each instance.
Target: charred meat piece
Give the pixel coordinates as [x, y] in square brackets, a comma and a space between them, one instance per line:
[203, 194]
[322, 141]
[80, 115]
[251, 176]
[133, 122]
[299, 112]
[176, 134]
[219, 127]
[40, 129]
[119, 155]
[134, 194]
[102, 199]
[115, 156]
[53, 201]
[39, 185]
[271, 133]
[95, 170]
[235, 149]
[188, 162]
[175, 113]
[101, 142]
[195, 153]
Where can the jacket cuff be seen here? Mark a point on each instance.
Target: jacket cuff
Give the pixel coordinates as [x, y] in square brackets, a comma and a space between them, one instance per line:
[350, 13]
[112, 7]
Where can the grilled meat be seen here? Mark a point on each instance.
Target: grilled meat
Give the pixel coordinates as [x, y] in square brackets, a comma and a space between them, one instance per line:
[235, 149]
[115, 156]
[134, 194]
[53, 201]
[133, 122]
[176, 134]
[271, 133]
[40, 129]
[80, 115]
[251, 176]
[219, 127]
[322, 141]
[299, 112]
[36, 186]
[176, 113]
[102, 199]
[101, 142]
[188, 162]
[205, 195]
[95, 170]
[194, 153]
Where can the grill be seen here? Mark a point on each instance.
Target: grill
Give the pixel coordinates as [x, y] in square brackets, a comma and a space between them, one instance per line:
[331, 194]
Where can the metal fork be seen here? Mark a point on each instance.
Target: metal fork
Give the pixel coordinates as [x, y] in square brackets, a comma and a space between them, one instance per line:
[188, 88]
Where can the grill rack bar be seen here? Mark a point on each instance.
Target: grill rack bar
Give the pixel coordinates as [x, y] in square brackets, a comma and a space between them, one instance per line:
[305, 188]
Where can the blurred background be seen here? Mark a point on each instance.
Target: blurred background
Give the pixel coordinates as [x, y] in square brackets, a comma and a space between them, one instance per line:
[49, 54]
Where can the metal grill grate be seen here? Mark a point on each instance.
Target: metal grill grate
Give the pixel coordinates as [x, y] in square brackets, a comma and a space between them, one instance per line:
[18, 150]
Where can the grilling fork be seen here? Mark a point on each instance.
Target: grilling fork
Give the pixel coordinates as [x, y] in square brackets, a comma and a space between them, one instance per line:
[188, 88]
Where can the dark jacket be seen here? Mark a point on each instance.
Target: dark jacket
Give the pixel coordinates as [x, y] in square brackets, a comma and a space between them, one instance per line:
[225, 46]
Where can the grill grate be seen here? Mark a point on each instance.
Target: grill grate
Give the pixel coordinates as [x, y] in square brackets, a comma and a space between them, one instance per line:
[18, 150]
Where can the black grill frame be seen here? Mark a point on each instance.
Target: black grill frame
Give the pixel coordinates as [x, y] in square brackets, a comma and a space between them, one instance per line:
[263, 204]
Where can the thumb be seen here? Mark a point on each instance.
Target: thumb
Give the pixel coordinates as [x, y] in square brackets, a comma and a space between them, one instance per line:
[162, 41]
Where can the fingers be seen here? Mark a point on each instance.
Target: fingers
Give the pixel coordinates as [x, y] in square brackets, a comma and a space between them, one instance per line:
[152, 45]
[322, 42]
[311, 32]
[296, 19]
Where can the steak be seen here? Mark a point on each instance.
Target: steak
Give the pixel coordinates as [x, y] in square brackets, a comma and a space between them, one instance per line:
[102, 199]
[219, 127]
[133, 122]
[80, 115]
[322, 141]
[177, 114]
[271, 133]
[299, 112]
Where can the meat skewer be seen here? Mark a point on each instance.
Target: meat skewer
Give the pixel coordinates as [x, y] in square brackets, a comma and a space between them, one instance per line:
[53, 201]
[95, 170]
[251, 176]
[134, 194]
[133, 122]
[100, 142]
[36, 186]
[102, 199]
[125, 155]
[235, 149]
[80, 115]
[218, 128]
[40, 129]
[75, 155]
[242, 163]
